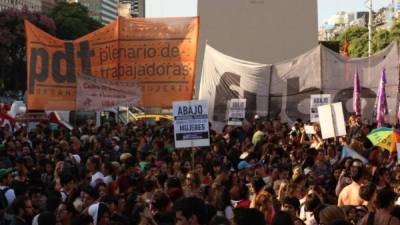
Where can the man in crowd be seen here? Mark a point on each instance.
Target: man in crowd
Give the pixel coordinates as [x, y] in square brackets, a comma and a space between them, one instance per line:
[264, 166]
[350, 195]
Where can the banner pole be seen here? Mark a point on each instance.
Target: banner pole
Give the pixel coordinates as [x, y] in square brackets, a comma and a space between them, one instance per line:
[192, 154]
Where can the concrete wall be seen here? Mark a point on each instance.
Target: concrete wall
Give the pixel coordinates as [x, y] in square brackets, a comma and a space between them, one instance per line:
[264, 31]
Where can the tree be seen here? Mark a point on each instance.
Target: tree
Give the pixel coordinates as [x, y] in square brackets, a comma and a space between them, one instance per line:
[72, 20]
[395, 31]
[352, 33]
[380, 40]
[358, 47]
[357, 36]
[13, 44]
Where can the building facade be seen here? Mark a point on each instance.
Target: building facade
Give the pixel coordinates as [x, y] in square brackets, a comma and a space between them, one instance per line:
[131, 8]
[32, 5]
[48, 5]
[104, 11]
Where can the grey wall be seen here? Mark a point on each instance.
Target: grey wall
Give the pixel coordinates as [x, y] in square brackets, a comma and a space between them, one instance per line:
[263, 31]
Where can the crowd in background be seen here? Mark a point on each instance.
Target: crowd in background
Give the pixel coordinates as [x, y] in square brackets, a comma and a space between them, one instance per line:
[264, 172]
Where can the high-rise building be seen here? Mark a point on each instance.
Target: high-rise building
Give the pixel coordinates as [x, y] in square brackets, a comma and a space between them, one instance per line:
[104, 11]
[32, 5]
[48, 5]
[124, 9]
[136, 7]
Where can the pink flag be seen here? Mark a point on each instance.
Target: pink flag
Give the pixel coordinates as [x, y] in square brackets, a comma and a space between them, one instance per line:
[381, 107]
[357, 94]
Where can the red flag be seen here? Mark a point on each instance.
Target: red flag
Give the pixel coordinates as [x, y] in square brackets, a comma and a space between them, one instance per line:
[345, 51]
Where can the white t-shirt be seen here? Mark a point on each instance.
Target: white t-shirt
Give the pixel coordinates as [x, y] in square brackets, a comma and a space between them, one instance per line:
[10, 194]
[108, 179]
[229, 212]
[35, 220]
[98, 175]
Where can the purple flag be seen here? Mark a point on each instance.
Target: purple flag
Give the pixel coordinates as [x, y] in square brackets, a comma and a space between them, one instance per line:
[381, 108]
[357, 94]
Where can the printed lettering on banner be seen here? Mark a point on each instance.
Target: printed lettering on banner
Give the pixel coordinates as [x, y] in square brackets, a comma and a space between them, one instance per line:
[191, 124]
[315, 102]
[158, 53]
[236, 111]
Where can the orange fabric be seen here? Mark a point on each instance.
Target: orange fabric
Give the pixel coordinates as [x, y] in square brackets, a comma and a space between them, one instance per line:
[159, 53]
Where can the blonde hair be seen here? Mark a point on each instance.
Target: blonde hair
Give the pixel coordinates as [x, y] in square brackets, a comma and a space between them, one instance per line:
[283, 190]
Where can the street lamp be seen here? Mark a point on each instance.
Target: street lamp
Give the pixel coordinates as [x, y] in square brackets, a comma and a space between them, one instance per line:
[369, 6]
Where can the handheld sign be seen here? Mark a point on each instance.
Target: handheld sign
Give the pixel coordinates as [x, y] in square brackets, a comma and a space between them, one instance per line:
[236, 111]
[315, 102]
[309, 129]
[191, 124]
[332, 120]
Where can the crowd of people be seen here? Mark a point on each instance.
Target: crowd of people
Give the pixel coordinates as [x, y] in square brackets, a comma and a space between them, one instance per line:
[265, 172]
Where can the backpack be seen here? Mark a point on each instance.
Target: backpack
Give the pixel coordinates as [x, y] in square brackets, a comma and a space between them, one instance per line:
[3, 199]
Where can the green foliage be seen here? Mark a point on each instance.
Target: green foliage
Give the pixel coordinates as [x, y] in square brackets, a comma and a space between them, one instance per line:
[395, 31]
[72, 20]
[358, 47]
[13, 44]
[381, 40]
[358, 39]
[352, 33]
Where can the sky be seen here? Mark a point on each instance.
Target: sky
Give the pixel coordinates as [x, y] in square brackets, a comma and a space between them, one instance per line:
[328, 8]
[171, 8]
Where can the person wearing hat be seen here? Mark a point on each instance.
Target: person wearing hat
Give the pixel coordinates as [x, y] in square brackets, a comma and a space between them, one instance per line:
[243, 165]
[5, 180]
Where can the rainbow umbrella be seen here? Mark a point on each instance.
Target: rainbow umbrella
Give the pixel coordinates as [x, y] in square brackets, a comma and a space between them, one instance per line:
[385, 138]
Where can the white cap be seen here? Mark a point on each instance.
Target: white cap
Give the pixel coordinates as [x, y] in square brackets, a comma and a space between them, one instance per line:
[77, 158]
[244, 155]
[256, 117]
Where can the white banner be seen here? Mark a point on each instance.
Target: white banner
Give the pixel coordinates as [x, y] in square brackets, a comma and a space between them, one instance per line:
[315, 102]
[236, 111]
[225, 78]
[191, 124]
[332, 120]
[283, 90]
[94, 93]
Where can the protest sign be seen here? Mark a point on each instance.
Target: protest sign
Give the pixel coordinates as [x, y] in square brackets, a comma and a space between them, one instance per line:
[315, 102]
[332, 120]
[158, 53]
[191, 124]
[236, 111]
[96, 94]
[283, 89]
[309, 129]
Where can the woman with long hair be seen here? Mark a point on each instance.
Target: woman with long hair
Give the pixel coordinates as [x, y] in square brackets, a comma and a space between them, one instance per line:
[264, 203]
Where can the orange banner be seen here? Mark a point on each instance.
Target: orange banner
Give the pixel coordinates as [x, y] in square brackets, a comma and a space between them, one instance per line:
[159, 53]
